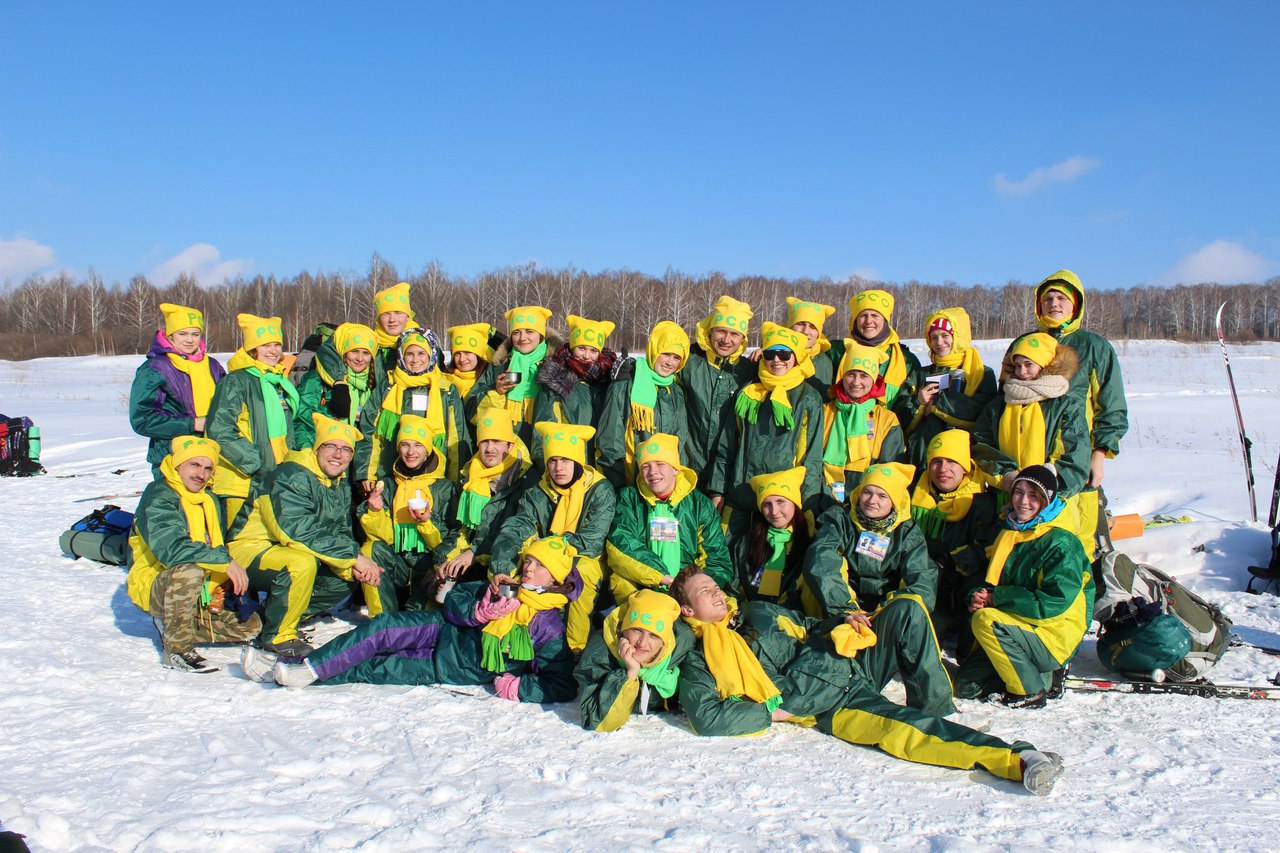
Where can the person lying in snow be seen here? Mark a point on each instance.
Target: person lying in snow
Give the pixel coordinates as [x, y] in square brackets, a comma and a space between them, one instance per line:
[776, 665]
[480, 637]
[634, 661]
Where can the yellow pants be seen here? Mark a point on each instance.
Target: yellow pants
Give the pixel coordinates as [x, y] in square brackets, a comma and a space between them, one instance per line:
[578, 622]
[295, 584]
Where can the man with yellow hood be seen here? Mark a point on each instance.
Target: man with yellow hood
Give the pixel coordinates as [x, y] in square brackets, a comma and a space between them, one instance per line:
[716, 370]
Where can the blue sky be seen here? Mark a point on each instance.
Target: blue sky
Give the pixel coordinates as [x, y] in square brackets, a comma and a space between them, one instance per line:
[1132, 142]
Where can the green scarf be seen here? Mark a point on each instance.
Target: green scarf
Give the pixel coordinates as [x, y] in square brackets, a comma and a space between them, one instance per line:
[358, 383]
[276, 386]
[516, 644]
[645, 382]
[662, 677]
[668, 552]
[527, 367]
[778, 538]
[850, 422]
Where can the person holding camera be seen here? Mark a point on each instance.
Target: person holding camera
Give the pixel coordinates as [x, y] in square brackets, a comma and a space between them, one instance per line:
[506, 633]
[954, 388]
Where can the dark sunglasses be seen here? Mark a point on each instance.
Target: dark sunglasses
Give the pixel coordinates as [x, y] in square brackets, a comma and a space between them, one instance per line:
[777, 354]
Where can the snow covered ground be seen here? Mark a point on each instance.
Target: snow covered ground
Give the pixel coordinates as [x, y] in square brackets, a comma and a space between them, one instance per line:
[101, 748]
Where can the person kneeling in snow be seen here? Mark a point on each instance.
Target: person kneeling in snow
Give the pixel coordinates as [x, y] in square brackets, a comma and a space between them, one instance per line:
[180, 559]
[788, 667]
[1036, 602]
[481, 636]
[636, 658]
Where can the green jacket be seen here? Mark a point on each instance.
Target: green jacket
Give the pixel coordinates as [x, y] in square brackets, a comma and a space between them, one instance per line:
[316, 395]
[710, 384]
[748, 449]
[328, 359]
[906, 567]
[824, 374]
[950, 411]
[583, 405]
[298, 505]
[606, 697]
[616, 441]
[1044, 577]
[161, 539]
[700, 535]
[533, 517]
[1066, 441]
[238, 422]
[500, 509]
[960, 546]
[374, 455]
[746, 586]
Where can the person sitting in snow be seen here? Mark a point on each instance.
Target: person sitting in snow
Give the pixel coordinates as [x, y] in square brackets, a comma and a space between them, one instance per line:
[174, 386]
[662, 524]
[481, 636]
[634, 661]
[297, 545]
[181, 567]
[1035, 602]
[775, 665]
[870, 562]
[768, 546]
[572, 500]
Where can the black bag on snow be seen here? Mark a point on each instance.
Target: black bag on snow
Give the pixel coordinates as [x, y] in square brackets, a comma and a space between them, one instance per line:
[1150, 621]
[101, 536]
[19, 448]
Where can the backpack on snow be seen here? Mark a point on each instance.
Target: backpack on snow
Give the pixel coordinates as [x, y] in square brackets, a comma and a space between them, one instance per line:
[307, 354]
[101, 536]
[1151, 622]
[19, 448]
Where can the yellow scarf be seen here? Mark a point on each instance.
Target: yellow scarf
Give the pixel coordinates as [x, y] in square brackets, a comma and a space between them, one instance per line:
[463, 380]
[406, 528]
[393, 402]
[736, 669]
[569, 506]
[819, 347]
[477, 491]
[386, 341]
[895, 369]
[851, 639]
[953, 505]
[1021, 434]
[969, 361]
[518, 647]
[774, 389]
[998, 553]
[201, 513]
[202, 386]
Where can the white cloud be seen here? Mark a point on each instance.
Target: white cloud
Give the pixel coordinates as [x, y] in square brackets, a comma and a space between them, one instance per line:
[202, 260]
[867, 274]
[22, 256]
[1068, 170]
[1224, 262]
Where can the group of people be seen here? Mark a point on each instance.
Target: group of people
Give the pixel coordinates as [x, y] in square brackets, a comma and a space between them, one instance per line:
[753, 536]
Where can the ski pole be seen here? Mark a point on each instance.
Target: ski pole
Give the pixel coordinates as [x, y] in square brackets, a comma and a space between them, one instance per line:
[1245, 444]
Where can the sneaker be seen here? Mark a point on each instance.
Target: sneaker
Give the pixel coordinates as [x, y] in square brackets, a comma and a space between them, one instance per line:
[187, 662]
[257, 664]
[293, 674]
[1027, 703]
[1058, 681]
[296, 649]
[1040, 770]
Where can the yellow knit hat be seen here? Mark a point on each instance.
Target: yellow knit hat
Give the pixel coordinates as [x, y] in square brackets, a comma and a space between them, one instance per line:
[351, 336]
[880, 301]
[788, 484]
[259, 330]
[773, 335]
[394, 298]
[894, 477]
[588, 333]
[415, 428]
[568, 441]
[554, 553]
[179, 317]
[528, 317]
[493, 423]
[953, 320]
[659, 447]
[858, 357]
[184, 448]
[1038, 347]
[651, 611]
[328, 430]
[813, 313]
[729, 313]
[951, 444]
[667, 337]
[472, 338]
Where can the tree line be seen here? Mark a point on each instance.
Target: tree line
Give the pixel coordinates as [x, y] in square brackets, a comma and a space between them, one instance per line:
[62, 315]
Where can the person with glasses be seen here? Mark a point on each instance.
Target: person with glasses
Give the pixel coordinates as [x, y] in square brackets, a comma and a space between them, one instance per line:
[297, 545]
[776, 424]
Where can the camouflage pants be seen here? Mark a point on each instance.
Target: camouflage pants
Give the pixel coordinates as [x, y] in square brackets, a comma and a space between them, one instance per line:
[183, 622]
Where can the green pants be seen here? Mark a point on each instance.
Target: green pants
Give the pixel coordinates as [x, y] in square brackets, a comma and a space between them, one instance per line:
[297, 586]
[906, 646]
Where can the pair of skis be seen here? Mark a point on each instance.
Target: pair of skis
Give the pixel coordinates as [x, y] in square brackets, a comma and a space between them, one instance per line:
[1202, 688]
[1245, 443]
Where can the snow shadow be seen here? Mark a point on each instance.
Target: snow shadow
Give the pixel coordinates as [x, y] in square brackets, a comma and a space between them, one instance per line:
[131, 621]
[1228, 557]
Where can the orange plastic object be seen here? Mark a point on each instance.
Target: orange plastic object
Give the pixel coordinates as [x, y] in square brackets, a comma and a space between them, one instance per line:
[1126, 526]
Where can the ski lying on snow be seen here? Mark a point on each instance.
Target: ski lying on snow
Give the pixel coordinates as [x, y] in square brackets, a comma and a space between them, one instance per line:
[109, 497]
[1203, 689]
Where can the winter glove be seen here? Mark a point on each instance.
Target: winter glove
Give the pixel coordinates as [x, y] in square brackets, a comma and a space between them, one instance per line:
[489, 609]
[340, 401]
[508, 686]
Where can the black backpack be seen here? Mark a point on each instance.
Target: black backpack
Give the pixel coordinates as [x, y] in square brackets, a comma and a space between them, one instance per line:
[307, 354]
[19, 448]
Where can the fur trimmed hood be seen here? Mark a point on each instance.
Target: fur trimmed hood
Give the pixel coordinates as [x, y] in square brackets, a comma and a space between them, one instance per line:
[1065, 363]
